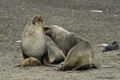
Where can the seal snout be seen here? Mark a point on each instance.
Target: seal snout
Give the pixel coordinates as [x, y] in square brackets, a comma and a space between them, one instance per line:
[37, 18]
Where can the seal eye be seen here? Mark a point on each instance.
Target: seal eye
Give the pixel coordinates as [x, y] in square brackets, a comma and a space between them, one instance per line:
[34, 20]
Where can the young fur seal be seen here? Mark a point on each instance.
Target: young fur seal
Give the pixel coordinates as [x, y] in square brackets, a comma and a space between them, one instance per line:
[33, 41]
[78, 52]
[64, 39]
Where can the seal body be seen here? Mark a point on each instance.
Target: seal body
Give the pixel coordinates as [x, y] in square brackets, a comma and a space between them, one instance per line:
[33, 41]
[64, 39]
[78, 52]
[81, 54]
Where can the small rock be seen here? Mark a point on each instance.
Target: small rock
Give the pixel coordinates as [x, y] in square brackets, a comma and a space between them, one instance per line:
[111, 46]
[99, 11]
[22, 8]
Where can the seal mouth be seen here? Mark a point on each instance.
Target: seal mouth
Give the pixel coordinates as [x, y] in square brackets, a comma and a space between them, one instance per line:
[46, 29]
[37, 18]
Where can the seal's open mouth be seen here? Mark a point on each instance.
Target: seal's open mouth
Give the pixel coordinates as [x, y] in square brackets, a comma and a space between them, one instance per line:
[46, 29]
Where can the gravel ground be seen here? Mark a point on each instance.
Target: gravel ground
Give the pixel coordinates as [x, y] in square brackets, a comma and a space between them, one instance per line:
[73, 15]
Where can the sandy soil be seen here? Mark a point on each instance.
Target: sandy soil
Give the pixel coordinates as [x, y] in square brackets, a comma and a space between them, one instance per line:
[73, 15]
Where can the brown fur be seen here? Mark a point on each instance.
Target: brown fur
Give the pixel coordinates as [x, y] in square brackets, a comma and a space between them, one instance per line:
[34, 43]
[31, 61]
[33, 39]
[78, 52]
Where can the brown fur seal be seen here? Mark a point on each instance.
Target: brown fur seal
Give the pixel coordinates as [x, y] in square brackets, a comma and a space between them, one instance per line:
[30, 62]
[64, 39]
[33, 41]
[78, 52]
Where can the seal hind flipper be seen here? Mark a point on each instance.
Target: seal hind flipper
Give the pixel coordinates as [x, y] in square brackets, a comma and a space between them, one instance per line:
[85, 67]
[82, 67]
[95, 67]
[59, 67]
[16, 65]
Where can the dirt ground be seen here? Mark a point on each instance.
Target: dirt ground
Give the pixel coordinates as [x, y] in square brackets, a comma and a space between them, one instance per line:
[73, 15]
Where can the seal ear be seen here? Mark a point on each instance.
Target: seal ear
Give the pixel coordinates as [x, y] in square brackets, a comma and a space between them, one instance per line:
[46, 29]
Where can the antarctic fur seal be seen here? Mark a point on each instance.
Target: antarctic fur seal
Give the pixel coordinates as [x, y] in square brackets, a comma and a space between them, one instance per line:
[78, 52]
[63, 38]
[81, 54]
[34, 43]
[33, 40]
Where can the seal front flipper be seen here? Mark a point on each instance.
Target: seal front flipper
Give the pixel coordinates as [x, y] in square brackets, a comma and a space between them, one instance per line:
[31, 61]
[46, 63]
[53, 55]
[19, 65]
